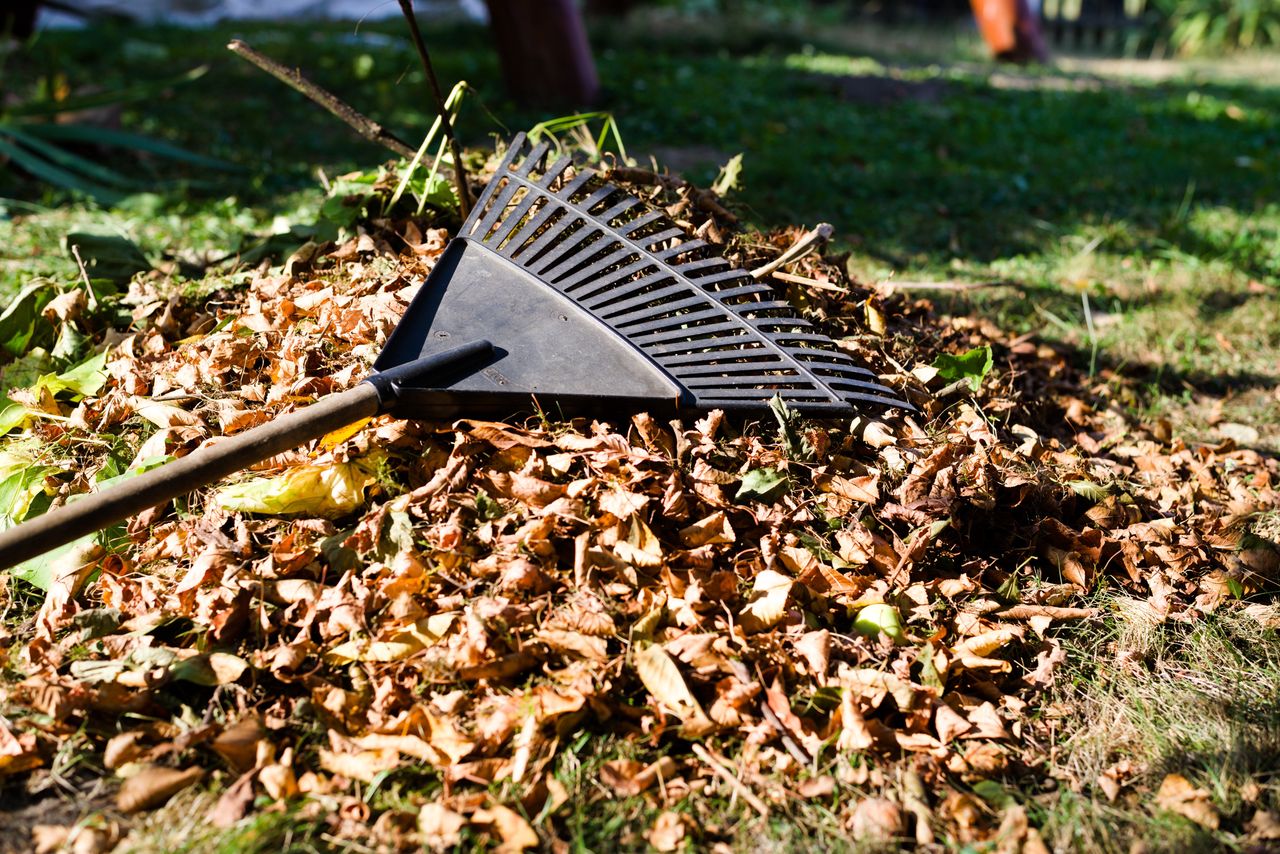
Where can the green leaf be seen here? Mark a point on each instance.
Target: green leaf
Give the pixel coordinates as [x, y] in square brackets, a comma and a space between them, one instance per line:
[64, 158]
[972, 366]
[795, 443]
[26, 370]
[42, 570]
[124, 139]
[486, 507]
[41, 168]
[21, 482]
[763, 484]
[84, 379]
[729, 177]
[107, 256]
[12, 416]
[22, 326]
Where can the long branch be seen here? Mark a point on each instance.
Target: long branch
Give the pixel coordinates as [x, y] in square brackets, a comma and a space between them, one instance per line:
[459, 172]
[362, 124]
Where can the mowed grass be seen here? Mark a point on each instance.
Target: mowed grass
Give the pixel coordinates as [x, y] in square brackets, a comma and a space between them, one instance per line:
[1133, 215]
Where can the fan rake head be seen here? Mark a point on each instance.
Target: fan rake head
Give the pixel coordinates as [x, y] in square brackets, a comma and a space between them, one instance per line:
[594, 302]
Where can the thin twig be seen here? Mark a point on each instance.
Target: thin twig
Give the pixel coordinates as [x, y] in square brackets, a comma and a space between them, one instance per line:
[805, 244]
[948, 286]
[812, 283]
[91, 298]
[738, 786]
[362, 124]
[459, 173]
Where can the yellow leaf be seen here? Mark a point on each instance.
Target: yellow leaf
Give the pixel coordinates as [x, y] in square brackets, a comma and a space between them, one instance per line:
[336, 437]
[331, 491]
[661, 676]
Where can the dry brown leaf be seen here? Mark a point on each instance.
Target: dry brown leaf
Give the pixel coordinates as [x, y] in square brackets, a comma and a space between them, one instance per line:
[513, 832]
[153, 785]
[1264, 825]
[364, 765]
[640, 548]
[668, 831]
[770, 593]
[439, 826]
[661, 676]
[1178, 795]
[713, 530]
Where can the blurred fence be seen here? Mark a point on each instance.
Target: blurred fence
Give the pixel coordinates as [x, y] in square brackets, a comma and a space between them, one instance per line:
[1105, 24]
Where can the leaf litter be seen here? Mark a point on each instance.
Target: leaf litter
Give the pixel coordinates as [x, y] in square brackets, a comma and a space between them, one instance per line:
[864, 614]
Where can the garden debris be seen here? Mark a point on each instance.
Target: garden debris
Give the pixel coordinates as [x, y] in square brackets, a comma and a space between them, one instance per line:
[465, 599]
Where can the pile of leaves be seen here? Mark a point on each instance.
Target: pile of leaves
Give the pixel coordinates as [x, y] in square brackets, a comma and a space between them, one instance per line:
[862, 615]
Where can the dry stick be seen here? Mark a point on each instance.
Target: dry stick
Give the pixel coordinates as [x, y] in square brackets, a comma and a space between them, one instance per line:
[738, 786]
[805, 280]
[821, 233]
[363, 125]
[459, 173]
[948, 286]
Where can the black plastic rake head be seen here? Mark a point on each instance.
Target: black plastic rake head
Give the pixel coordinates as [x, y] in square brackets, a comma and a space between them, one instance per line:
[593, 303]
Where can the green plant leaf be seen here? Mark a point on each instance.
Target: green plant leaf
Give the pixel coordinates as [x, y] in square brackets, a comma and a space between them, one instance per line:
[972, 365]
[795, 443]
[22, 326]
[40, 168]
[123, 139]
[65, 159]
[730, 176]
[82, 379]
[763, 484]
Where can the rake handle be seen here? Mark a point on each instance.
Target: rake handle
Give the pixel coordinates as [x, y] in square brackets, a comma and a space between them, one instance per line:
[203, 466]
[210, 463]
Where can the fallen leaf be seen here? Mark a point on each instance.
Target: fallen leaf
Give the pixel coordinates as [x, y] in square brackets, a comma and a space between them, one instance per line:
[769, 595]
[154, 785]
[1178, 795]
[668, 831]
[515, 834]
[329, 491]
[661, 676]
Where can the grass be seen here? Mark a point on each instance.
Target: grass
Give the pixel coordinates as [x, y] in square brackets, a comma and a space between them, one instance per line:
[1151, 194]
[1132, 213]
[1202, 701]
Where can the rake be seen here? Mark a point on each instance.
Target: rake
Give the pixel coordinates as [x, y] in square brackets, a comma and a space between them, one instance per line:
[559, 288]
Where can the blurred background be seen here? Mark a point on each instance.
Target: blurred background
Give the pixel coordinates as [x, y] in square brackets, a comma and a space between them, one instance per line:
[1124, 188]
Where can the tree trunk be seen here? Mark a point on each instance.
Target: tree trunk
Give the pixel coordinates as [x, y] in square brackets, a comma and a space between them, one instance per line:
[545, 56]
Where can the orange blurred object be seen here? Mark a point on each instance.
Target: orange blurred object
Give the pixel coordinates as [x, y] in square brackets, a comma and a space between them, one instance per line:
[1011, 29]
